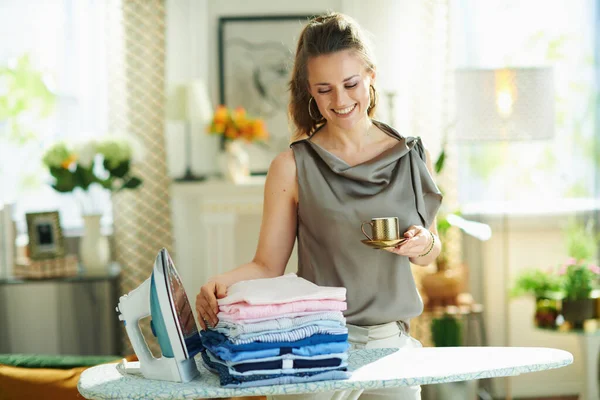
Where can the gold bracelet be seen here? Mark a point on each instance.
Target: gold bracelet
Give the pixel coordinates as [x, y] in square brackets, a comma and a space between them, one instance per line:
[432, 244]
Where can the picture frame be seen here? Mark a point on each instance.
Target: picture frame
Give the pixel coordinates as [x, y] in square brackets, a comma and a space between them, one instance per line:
[46, 239]
[256, 55]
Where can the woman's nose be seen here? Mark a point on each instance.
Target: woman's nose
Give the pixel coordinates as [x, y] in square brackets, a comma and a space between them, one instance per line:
[340, 98]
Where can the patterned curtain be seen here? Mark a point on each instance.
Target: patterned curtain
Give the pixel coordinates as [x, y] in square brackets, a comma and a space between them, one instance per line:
[597, 111]
[142, 218]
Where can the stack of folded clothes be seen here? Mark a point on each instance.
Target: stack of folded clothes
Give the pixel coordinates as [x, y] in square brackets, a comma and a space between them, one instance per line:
[278, 331]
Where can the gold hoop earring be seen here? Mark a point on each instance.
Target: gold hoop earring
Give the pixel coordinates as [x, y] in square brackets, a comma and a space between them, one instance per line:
[372, 98]
[310, 111]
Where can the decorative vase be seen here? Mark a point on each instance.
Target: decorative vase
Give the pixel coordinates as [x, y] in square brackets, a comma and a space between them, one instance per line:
[443, 287]
[93, 247]
[236, 162]
[577, 311]
[546, 312]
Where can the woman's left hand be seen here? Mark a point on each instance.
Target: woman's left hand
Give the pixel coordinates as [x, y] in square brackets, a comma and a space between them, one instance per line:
[417, 243]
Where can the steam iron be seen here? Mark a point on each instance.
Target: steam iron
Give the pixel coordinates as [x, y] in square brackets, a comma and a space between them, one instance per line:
[163, 297]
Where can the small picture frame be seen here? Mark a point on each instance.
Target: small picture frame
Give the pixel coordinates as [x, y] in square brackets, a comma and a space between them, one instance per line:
[45, 235]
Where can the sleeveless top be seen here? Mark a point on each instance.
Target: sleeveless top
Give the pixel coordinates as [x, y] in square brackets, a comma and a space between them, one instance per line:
[334, 198]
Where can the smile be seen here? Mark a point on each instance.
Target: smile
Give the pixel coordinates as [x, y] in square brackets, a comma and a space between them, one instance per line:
[345, 111]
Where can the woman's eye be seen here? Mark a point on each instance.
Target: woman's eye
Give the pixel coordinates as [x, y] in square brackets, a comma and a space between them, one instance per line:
[323, 91]
[351, 86]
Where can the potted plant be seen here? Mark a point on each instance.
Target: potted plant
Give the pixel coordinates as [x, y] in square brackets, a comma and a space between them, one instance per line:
[85, 169]
[580, 275]
[580, 278]
[546, 287]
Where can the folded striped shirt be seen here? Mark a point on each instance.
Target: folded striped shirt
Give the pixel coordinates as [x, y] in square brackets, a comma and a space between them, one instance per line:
[211, 339]
[291, 335]
[285, 361]
[235, 329]
[271, 366]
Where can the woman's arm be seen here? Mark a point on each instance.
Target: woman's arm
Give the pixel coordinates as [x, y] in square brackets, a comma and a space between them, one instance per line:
[278, 227]
[275, 243]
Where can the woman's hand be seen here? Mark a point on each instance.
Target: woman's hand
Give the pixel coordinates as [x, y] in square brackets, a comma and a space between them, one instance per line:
[206, 303]
[418, 242]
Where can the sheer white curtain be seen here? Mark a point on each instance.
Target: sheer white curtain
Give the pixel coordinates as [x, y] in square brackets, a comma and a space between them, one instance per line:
[500, 33]
[66, 40]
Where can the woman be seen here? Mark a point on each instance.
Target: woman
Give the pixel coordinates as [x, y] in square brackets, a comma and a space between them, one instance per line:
[344, 169]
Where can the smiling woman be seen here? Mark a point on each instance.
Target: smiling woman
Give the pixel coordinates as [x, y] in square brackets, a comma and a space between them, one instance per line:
[345, 168]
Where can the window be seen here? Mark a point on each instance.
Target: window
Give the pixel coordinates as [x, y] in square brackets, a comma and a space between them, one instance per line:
[65, 39]
[562, 170]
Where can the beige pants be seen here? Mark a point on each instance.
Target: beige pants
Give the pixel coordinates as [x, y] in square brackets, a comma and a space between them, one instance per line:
[370, 337]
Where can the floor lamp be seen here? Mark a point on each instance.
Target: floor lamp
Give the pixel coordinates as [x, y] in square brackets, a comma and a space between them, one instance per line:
[504, 105]
[190, 104]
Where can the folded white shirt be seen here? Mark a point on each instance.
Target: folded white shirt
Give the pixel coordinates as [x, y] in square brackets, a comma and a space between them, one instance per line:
[283, 289]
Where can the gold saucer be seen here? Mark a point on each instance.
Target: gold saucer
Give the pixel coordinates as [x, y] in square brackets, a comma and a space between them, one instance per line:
[382, 244]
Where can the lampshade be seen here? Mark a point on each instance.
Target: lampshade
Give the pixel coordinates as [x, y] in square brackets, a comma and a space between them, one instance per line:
[513, 104]
[189, 102]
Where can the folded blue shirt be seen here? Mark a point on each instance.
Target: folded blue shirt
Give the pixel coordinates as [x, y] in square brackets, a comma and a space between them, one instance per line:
[284, 362]
[239, 381]
[306, 351]
[212, 339]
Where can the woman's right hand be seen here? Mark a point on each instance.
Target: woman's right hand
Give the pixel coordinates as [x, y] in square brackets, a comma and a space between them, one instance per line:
[206, 303]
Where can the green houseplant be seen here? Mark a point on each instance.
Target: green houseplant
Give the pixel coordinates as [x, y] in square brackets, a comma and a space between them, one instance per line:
[80, 169]
[546, 287]
[79, 166]
[580, 274]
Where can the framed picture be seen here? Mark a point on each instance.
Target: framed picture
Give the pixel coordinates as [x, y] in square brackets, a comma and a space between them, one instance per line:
[256, 54]
[45, 235]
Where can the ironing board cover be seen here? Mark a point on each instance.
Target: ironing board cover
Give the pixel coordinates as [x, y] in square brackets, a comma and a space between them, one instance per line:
[371, 368]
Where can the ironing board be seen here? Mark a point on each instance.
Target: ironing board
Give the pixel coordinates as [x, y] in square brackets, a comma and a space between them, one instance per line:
[371, 368]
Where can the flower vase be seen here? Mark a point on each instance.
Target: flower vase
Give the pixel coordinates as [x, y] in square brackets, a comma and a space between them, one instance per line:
[93, 246]
[236, 162]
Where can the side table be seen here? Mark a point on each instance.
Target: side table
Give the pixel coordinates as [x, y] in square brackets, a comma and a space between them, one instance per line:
[76, 314]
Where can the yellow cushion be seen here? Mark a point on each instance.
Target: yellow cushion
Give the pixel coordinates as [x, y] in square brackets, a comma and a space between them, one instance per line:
[41, 383]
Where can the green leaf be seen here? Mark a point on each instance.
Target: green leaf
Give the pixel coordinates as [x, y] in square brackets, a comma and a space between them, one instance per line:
[85, 177]
[120, 171]
[107, 183]
[132, 183]
[439, 164]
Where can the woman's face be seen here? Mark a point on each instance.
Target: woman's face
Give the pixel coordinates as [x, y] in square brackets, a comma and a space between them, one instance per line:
[340, 82]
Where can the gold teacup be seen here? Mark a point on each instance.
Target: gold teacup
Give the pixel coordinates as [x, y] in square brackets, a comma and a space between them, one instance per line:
[382, 229]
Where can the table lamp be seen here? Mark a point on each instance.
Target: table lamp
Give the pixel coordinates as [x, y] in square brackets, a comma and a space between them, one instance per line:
[190, 104]
[504, 105]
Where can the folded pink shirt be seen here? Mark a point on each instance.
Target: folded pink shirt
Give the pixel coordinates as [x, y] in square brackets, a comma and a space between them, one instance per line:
[287, 288]
[242, 311]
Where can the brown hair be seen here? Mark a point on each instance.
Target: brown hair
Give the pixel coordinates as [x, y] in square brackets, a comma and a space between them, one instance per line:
[323, 35]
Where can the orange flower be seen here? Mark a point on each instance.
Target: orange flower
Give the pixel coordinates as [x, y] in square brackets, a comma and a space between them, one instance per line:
[219, 127]
[239, 113]
[237, 124]
[67, 163]
[259, 129]
[221, 115]
[231, 133]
